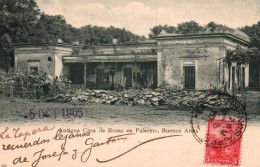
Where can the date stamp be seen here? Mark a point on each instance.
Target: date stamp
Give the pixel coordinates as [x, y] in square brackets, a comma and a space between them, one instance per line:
[48, 113]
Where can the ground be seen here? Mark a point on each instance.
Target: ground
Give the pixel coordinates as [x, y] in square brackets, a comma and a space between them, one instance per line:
[17, 111]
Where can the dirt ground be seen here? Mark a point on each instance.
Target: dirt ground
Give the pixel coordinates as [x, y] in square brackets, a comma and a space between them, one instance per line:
[17, 111]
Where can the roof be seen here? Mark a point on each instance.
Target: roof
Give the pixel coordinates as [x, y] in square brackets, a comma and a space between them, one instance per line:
[244, 40]
[42, 44]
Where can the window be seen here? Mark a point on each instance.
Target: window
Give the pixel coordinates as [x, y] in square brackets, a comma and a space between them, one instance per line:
[33, 66]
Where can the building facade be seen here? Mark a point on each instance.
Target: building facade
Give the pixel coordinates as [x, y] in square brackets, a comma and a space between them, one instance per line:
[198, 62]
[178, 61]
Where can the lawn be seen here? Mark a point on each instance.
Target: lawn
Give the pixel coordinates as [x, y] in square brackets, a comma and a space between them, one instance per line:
[17, 111]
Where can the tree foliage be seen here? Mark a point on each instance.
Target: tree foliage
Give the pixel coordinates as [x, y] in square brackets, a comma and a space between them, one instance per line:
[156, 30]
[22, 22]
[52, 28]
[190, 28]
[18, 19]
[6, 51]
[241, 56]
[94, 35]
[237, 55]
[254, 33]
[212, 27]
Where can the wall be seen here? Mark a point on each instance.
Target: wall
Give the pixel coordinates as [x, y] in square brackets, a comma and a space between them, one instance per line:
[35, 53]
[123, 49]
[42, 53]
[205, 53]
[176, 58]
[59, 53]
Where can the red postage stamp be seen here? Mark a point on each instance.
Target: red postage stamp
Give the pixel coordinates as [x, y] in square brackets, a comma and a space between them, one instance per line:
[223, 142]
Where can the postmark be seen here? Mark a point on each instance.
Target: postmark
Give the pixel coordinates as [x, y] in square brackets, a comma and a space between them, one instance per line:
[221, 120]
[223, 142]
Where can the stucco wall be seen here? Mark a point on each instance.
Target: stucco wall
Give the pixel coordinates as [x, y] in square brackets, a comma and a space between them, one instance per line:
[25, 54]
[41, 54]
[206, 54]
[172, 61]
[59, 53]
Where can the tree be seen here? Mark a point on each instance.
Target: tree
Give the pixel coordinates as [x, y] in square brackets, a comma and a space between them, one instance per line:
[184, 28]
[254, 33]
[17, 18]
[93, 35]
[212, 27]
[156, 30]
[17, 21]
[6, 51]
[190, 27]
[51, 28]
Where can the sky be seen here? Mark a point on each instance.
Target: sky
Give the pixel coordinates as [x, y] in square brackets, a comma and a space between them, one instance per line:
[139, 16]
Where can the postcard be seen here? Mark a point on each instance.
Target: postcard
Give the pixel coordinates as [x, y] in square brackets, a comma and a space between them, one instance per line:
[129, 83]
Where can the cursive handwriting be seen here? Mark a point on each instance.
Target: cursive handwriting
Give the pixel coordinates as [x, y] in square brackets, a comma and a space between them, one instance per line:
[17, 133]
[25, 145]
[145, 142]
[3, 133]
[44, 157]
[89, 142]
[60, 136]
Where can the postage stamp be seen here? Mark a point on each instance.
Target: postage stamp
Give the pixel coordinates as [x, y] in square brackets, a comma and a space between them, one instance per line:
[225, 119]
[223, 142]
[125, 83]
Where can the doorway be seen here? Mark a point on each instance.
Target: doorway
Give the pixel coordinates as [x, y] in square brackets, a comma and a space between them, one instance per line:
[99, 78]
[128, 77]
[189, 77]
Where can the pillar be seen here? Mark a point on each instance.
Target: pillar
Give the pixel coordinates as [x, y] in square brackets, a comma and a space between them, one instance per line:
[85, 75]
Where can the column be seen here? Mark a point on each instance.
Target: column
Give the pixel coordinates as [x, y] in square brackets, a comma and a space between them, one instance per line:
[85, 75]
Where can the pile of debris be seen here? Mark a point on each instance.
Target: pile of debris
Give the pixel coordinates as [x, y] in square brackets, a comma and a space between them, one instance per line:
[131, 97]
[148, 97]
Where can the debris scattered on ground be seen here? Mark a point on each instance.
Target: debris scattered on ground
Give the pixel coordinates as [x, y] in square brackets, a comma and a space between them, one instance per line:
[148, 97]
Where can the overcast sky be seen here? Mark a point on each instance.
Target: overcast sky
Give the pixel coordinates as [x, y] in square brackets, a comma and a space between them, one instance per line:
[139, 16]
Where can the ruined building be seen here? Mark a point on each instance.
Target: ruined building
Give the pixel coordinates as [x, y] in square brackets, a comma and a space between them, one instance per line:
[179, 61]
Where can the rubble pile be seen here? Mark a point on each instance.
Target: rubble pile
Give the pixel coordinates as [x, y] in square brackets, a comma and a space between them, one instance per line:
[148, 97]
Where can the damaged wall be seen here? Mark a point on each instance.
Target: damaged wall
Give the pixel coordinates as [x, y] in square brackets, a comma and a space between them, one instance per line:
[184, 60]
[45, 57]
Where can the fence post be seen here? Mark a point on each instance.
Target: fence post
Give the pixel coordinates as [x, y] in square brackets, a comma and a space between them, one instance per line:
[34, 92]
[12, 93]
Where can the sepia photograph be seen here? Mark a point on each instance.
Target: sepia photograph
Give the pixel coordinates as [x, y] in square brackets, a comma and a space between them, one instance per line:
[129, 83]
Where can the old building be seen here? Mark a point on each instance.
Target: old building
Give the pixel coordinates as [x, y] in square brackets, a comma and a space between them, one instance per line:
[198, 61]
[179, 61]
[101, 67]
